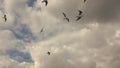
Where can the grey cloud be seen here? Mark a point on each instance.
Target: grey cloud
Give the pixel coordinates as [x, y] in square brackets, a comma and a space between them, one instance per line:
[94, 10]
[71, 45]
[103, 10]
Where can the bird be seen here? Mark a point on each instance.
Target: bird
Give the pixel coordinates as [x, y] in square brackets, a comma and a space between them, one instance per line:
[64, 14]
[85, 1]
[5, 17]
[48, 53]
[65, 17]
[78, 18]
[80, 12]
[41, 30]
[45, 1]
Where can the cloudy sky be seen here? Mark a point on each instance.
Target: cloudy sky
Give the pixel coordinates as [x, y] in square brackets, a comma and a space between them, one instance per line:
[91, 42]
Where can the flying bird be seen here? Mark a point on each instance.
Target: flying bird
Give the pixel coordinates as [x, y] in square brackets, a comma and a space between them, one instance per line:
[45, 1]
[5, 17]
[48, 53]
[80, 12]
[85, 1]
[64, 14]
[65, 17]
[41, 30]
[78, 18]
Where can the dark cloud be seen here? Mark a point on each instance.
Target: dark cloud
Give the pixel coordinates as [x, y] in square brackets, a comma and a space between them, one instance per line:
[102, 10]
[70, 46]
[94, 10]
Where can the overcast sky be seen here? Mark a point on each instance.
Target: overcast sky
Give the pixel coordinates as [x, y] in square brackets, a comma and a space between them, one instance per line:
[91, 42]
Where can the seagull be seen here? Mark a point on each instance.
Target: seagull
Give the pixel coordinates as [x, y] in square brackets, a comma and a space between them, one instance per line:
[48, 53]
[5, 17]
[85, 1]
[46, 2]
[80, 12]
[65, 17]
[78, 18]
[41, 30]
[64, 14]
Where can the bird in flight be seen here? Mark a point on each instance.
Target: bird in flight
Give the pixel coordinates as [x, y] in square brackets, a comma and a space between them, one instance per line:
[45, 1]
[64, 14]
[5, 17]
[41, 30]
[78, 18]
[65, 17]
[85, 1]
[80, 12]
[48, 53]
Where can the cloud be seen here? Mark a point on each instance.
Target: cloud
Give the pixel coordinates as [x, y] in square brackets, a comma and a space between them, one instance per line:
[86, 43]
[94, 10]
[31, 2]
[103, 11]
[82, 48]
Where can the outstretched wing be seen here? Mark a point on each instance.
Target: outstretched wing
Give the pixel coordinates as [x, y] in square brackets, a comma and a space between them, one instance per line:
[48, 53]
[67, 19]
[64, 14]
[78, 18]
[41, 30]
[46, 2]
[5, 19]
[80, 12]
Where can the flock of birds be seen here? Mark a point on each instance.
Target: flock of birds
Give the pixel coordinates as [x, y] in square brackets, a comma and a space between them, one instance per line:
[77, 17]
[65, 17]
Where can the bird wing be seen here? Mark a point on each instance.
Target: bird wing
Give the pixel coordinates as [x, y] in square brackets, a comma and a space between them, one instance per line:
[5, 19]
[64, 14]
[80, 12]
[78, 18]
[48, 53]
[67, 19]
[41, 30]
[46, 2]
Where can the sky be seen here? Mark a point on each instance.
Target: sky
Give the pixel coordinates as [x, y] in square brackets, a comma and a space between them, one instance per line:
[91, 42]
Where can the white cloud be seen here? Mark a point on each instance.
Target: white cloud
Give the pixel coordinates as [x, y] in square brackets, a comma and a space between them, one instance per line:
[84, 44]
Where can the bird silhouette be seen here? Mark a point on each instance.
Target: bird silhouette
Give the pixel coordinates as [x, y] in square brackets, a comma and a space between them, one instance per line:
[65, 17]
[78, 18]
[48, 53]
[80, 12]
[45, 1]
[41, 30]
[5, 17]
[85, 1]
[64, 14]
